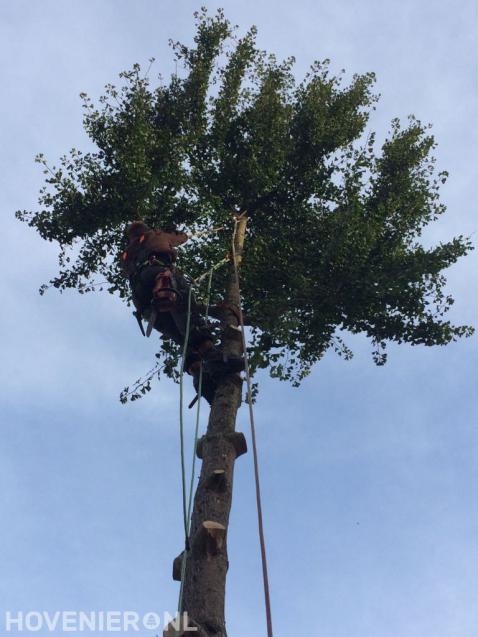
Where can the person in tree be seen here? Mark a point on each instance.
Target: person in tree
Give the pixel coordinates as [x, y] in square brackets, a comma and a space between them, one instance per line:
[160, 294]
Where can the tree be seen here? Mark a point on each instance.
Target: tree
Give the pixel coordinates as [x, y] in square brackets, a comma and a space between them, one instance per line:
[329, 230]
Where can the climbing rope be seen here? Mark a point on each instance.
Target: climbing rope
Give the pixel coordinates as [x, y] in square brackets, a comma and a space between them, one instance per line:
[262, 541]
[187, 499]
[187, 506]
[203, 233]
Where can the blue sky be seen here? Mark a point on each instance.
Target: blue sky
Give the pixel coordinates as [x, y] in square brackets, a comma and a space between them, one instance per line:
[369, 474]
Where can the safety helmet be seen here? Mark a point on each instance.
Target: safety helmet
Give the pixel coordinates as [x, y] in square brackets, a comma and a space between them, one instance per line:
[136, 229]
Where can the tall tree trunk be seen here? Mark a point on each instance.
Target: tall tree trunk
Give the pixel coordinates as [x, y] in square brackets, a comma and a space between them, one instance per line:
[207, 560]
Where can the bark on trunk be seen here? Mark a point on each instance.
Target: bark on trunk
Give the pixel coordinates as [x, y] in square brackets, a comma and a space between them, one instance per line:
[207, 561]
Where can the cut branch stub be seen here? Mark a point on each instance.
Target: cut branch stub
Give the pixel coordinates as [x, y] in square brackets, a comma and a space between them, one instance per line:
[238, 441]
[236, 438]
[177, 565]
[209, 538]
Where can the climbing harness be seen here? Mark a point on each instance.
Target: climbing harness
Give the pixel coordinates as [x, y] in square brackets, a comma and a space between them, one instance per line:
[165, 295]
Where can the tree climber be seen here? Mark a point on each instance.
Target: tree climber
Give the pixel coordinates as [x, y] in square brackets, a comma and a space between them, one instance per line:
[160, 294]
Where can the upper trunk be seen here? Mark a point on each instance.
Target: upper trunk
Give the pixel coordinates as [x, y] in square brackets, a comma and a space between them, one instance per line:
[207, 559]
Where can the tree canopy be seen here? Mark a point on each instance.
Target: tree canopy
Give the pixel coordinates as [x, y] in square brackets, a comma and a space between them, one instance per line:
[334, 224]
